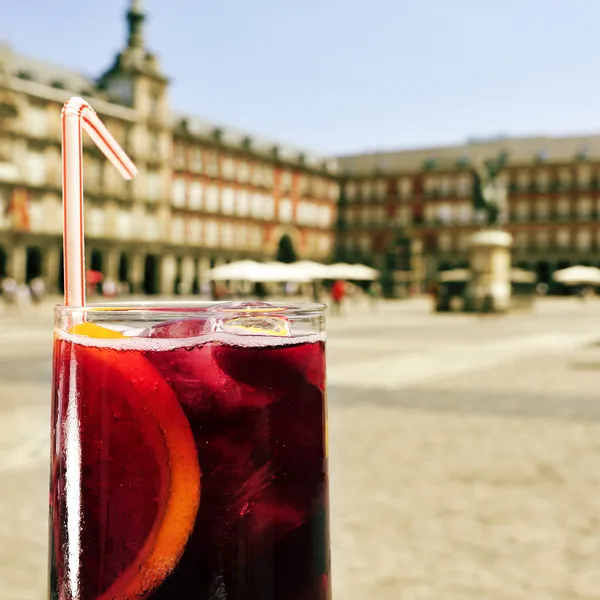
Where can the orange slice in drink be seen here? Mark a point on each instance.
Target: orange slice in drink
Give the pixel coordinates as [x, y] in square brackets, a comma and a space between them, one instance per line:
[140, 476]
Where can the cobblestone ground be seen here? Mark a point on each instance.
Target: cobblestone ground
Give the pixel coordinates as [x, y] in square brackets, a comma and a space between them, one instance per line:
[465, 454]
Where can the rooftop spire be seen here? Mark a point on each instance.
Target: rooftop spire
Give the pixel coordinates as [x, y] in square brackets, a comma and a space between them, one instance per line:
[135, 21]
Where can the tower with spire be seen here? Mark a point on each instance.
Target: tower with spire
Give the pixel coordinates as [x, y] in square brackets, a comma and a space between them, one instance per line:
[135, 80]
[135, 70]
[135, 20]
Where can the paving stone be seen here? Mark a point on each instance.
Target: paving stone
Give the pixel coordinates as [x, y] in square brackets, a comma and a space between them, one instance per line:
[465, 454]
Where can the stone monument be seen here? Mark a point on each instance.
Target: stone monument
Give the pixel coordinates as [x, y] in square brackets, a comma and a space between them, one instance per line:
[489, 288]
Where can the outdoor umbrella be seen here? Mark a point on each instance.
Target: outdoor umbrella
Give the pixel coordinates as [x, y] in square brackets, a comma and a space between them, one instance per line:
[578, 275]
[351, 272]
[312, 270]
[249, 270]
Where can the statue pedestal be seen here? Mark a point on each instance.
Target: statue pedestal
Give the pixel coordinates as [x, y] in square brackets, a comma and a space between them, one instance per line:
[489, 289]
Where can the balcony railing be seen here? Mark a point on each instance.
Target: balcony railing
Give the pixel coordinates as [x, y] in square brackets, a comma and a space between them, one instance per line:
[547, 251]
[553, 249]
[368, 224]
[441, 223]
[512, 220]
[554, 218]
[367, 199]
[554, 187]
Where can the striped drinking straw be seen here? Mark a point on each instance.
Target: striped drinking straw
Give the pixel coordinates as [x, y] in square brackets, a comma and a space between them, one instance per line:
[77, 113]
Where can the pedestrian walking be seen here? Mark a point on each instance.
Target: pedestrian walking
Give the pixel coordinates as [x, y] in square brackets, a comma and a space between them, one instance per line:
[374, 295]
[37, 288]
[109, 288]
[338, 293]
[9, 289]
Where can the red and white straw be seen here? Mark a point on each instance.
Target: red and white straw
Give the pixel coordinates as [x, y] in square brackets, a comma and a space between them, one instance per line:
[78, 114]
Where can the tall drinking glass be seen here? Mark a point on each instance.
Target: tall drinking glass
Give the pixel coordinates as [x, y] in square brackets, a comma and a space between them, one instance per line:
[189, 453]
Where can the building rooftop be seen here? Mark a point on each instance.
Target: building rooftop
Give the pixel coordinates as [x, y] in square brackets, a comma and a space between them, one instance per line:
[518, 150]
[44, 72]
[45, 79]
[233, 137]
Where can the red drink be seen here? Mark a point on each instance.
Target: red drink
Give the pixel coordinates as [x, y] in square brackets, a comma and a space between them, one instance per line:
[189, 466]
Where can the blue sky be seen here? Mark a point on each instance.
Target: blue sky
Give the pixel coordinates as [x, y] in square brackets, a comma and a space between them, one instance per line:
[348, 75]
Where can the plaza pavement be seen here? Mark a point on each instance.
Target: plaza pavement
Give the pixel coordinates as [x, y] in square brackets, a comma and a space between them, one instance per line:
[465, 453]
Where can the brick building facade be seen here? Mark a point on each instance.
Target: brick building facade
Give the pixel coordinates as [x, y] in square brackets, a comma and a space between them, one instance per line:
[410, 213]
[205, 194]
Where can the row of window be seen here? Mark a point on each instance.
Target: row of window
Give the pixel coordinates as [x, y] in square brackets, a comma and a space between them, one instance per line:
[241, 236]
[196, 195]
[368, 215]
[202, 160]
[217, 164]
[198, 232]
[42, 168]
[367, 189]
[211, 233]
[582, 238]
[362, 243]
[45, 216]
[463, 213]
[523, 180]
[180, 230]
[448, 213]
[544, 179]
[403, 187]
[214, 163]
[583, 207]
[40, 119]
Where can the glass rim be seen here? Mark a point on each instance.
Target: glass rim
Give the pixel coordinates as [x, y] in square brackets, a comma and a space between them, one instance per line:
[197, 307]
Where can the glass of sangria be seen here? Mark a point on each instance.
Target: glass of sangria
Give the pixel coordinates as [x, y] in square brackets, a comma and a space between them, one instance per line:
[189, 453]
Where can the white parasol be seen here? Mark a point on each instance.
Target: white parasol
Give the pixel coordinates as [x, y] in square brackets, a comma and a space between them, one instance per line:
[578, 275]
[249, 270]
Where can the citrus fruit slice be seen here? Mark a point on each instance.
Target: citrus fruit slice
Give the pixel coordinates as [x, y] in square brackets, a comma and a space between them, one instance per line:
[95, 331]
[140, 478]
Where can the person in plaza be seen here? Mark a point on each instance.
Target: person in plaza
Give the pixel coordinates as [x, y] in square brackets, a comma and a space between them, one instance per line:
[37, 288]
[338, 293]
[260, 291]
[109, 288]
[219, 291]
[93, 279]
[374, 294]
[316, 291]
[354, 293]
[206, 289]
[487, 306]
[123, 288]
[9, 290]
[434, 292]
[23, 296]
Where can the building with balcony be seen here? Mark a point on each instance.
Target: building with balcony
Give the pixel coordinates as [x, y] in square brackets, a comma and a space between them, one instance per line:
[410, 213]
[205, 194]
